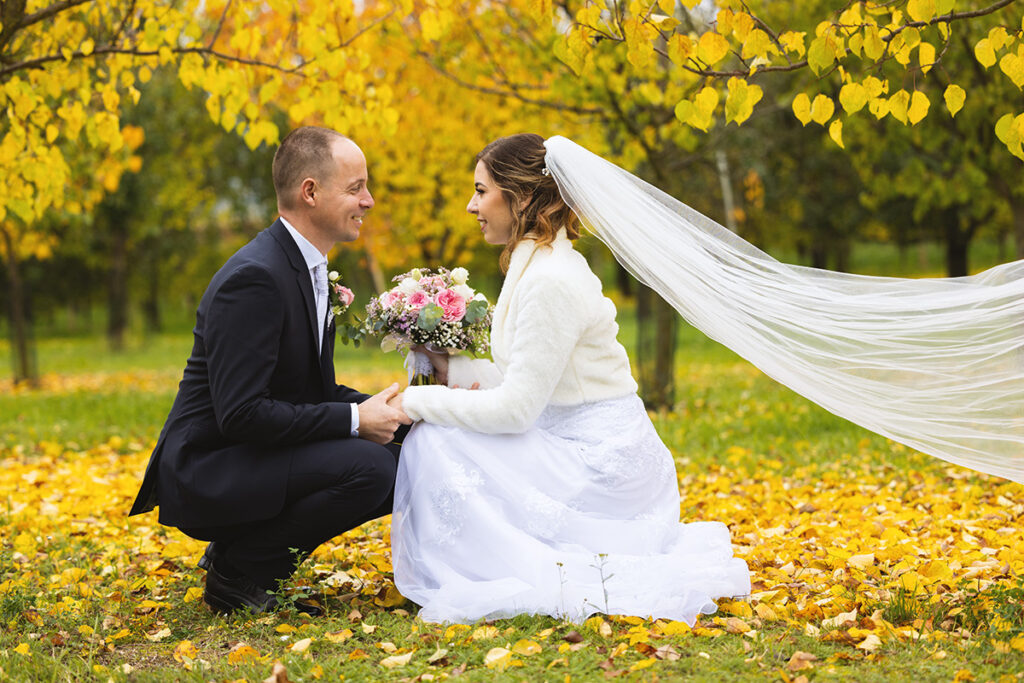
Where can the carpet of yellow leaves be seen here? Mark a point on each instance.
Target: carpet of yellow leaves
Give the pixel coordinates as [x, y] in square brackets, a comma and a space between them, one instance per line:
[830, 551]
[822, 546]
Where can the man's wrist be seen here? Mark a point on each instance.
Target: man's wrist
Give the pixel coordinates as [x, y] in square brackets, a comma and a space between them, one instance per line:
[355, 419]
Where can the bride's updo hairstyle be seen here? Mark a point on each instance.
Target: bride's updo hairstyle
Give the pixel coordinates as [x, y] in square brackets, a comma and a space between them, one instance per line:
[516, 165]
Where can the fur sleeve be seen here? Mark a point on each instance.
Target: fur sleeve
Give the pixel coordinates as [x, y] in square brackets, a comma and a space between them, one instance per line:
[548, 322]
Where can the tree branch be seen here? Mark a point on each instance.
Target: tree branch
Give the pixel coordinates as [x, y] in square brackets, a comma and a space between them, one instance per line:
[220, 24]
[47, 12]
[40, 62]
[509, 93]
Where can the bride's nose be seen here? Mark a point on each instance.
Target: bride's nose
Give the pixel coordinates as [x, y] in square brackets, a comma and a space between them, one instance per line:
[471, 207]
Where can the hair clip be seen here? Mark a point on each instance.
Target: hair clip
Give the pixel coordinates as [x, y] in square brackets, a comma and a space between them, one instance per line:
[545, 171]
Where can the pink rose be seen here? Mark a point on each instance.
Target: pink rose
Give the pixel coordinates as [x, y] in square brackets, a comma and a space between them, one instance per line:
[417, 300]
[345, 294]
[393, 297]
[432, 282]
[453, 305]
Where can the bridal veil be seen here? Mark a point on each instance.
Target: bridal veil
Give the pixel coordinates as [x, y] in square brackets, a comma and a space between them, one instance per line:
[936, 364]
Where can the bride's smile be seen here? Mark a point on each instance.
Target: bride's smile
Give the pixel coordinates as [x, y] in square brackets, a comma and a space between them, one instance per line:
[490, 207]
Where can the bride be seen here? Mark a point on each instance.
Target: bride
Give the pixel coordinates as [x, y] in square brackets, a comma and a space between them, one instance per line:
[546, 490]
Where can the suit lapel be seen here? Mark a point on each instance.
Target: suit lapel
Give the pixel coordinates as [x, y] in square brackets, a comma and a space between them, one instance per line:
[302, 278]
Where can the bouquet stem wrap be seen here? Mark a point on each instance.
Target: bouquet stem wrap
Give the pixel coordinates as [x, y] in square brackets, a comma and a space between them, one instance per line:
[420, 370]
[937, 364]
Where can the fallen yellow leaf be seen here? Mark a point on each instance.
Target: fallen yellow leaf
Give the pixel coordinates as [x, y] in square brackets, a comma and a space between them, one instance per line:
[801, 660]
[643, 664]
[870, 643]
[301, 645]
[396, 660]
[485, 633]
[526, 648]
[242, 653]
[185, 651]
[498, 658]
[339, 636]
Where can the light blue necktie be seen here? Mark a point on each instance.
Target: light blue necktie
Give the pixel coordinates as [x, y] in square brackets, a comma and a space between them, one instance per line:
[320, 277]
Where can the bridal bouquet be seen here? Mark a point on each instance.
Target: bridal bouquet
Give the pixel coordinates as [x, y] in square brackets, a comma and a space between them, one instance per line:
[436, 309]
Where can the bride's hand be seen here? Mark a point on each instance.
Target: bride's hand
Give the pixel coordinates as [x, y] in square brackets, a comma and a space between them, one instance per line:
[438, 360]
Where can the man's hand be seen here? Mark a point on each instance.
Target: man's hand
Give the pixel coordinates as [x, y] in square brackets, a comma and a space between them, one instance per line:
[378, 420]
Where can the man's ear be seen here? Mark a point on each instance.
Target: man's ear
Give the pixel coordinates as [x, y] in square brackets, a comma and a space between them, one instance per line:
[307, 192]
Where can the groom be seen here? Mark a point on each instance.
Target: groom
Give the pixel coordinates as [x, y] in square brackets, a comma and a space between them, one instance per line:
[263, 454]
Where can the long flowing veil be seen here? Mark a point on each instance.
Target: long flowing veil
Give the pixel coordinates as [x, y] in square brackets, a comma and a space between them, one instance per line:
[936, 364]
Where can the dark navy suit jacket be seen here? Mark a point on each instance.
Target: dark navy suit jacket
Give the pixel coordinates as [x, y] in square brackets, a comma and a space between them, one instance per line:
[255, 384]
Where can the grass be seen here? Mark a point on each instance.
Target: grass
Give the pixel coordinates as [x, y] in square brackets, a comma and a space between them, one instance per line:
[86, 594]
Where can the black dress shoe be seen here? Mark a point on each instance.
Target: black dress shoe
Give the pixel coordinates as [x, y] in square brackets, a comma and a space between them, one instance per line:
[225, 595]
[209, 555]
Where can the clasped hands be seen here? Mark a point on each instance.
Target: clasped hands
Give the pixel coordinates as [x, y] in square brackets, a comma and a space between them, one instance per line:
[382, 414]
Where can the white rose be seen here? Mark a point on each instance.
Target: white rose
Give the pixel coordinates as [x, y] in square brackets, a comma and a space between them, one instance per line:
[459, 276]
[333, 276]
[465, 291]
[416, 274]
[479, 297]
[409, 285]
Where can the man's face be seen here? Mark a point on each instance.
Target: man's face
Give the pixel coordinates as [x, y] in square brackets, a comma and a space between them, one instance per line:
[343, 199]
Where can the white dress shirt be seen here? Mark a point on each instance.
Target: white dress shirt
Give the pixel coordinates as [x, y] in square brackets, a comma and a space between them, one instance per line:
[317, 261]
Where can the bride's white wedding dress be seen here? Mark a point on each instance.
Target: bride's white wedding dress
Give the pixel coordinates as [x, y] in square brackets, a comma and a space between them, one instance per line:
[548, 491]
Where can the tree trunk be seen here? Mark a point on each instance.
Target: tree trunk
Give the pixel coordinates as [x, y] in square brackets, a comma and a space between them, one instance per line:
[623, 280]
[841, 250]
[151, 304]
[373, 265]
[657, 327]
[23, 359]
[728, 201]
[819, 256]
[117, 293]
[957, 241]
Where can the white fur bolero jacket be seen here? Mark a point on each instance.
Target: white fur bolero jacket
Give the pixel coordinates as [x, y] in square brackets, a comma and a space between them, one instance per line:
[553, 340]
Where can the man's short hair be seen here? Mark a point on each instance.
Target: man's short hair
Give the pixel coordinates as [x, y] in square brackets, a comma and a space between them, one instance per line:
[306, 152]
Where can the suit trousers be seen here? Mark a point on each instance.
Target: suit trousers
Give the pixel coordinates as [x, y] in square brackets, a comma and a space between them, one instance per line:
[333, 486]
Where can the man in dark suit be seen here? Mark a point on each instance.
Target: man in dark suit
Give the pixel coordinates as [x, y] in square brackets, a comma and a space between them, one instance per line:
[263, 453]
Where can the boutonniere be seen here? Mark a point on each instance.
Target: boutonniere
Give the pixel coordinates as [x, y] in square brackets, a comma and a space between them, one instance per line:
[339, 297]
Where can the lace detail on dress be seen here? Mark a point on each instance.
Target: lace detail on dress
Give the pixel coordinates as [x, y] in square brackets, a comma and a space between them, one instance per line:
[617, 457]
[447, 500]
[544, 515]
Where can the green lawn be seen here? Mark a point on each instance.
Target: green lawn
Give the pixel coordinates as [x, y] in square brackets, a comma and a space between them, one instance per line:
[87, 594]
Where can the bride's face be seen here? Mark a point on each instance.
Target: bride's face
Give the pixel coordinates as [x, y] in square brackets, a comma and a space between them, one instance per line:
[490, 208]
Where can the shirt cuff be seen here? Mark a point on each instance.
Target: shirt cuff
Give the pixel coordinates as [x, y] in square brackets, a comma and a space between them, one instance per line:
[355, 419]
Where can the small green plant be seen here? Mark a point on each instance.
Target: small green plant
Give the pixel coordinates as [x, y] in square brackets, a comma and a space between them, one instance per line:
[903, 608]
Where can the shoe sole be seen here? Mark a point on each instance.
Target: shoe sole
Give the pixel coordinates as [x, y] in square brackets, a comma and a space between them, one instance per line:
[218, 605]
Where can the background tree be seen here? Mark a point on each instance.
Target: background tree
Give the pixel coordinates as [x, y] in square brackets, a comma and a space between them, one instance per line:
[68, 67]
